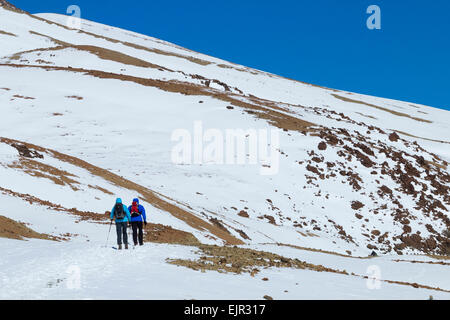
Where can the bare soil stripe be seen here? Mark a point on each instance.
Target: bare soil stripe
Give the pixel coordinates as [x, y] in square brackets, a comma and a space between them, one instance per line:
[400, 114]
[259, 108]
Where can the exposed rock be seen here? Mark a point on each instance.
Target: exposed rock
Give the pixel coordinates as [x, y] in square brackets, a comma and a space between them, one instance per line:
[394, 137]
[243, 214]
[356, 205]
[322, 146]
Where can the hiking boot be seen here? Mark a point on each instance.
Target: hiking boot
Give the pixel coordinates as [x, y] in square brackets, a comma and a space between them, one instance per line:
[126, 247]
[120, 247]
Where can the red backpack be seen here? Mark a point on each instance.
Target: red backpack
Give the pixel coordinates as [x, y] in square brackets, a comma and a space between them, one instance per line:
[135, 210]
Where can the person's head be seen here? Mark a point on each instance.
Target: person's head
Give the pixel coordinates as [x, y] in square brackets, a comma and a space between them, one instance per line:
[118, 200]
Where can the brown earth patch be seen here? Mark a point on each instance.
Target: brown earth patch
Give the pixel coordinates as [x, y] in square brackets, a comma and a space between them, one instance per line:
[400, 114]
[165, 234]
[17, 230]
[74, 97]
[22, 97]
[7, 33]
[243, 214]
[270, 218]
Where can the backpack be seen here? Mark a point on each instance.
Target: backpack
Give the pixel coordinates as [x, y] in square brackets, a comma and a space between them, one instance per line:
[135, 214]
[119, 213]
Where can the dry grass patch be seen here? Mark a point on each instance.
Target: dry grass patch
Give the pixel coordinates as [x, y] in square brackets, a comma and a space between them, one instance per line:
[242, 260]
[82, 215]
[367, 116]
[101, 189]
[132, 45]
[438, 257]
[119, 57]
[38, 169]
[400, 114]
[320, 251]
[102, 53]
[8, 6]
[425, 262]
[417, 137]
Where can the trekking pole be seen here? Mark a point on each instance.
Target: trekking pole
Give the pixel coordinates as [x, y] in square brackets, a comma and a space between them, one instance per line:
[110, 225]
[129, 233]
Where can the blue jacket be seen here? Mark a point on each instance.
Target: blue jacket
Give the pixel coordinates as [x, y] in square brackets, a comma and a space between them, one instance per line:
[125, 209]
[141, 211]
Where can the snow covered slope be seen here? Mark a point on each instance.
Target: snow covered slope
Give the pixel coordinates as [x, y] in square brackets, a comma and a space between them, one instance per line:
[89, 115]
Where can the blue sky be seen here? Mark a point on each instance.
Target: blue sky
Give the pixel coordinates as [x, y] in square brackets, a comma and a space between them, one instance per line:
[324, 42]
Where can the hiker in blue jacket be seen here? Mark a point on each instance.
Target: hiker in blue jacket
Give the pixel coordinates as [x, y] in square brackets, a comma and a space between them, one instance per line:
[121, 214]
[138, 218]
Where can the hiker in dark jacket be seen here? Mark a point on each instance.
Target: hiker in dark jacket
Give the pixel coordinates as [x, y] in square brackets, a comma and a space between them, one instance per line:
[138, 218]
[121, 214]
